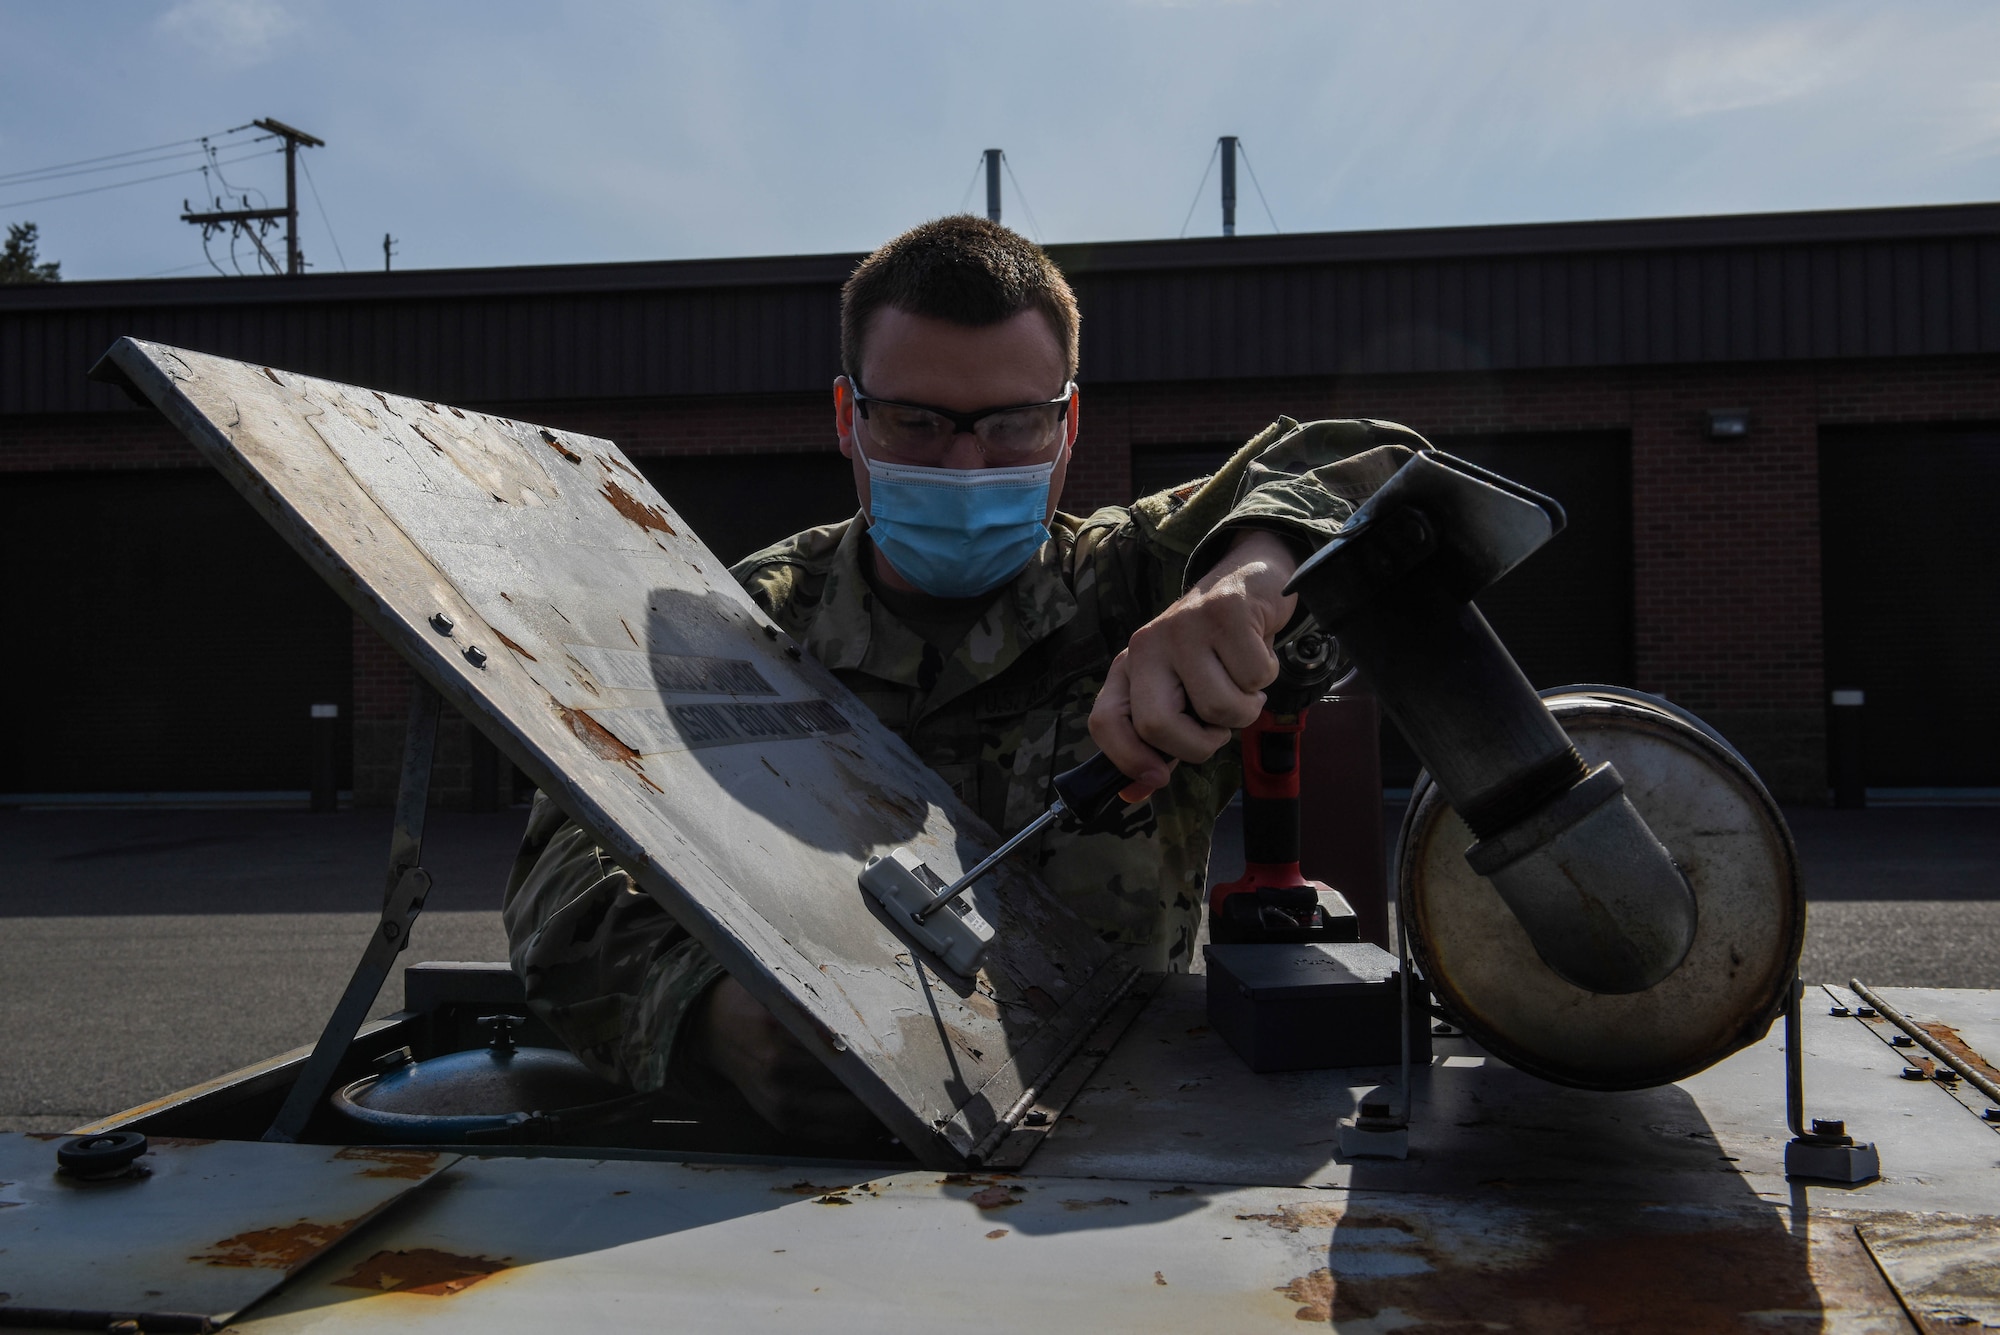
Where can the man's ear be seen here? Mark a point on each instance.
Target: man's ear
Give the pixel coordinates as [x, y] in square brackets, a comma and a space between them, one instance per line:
[843, 414]
[1075, 416]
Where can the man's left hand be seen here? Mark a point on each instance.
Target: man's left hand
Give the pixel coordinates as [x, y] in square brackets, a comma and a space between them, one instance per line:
[1199, 669]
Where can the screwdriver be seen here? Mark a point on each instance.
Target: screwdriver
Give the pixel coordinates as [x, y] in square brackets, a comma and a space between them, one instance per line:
[1085, 794]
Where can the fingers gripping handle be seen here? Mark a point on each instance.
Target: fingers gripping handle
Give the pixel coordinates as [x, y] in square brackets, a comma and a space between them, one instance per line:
[1089, 792]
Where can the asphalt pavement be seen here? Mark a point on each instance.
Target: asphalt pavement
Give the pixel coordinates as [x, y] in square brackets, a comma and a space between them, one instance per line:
[144, 951]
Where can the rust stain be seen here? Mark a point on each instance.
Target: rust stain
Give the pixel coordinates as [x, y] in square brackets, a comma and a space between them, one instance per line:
[1948, 1038]
[628, 631]
[1160, 1278]
[1292, 1218]
[805, 1188]
[994, 1198]
[424, 1270]
[275, 1248]
[831, 1199]
[555, 443]
[410, 1165]
[999, 1232]
[899, 808]
[1313, 1292]
[515, 647]
[274, 376]
[604, 743]
[1092, 1205]
[634, 509]
[1597, 1274]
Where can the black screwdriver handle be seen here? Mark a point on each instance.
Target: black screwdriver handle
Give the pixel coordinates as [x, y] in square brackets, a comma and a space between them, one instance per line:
[1090, 791]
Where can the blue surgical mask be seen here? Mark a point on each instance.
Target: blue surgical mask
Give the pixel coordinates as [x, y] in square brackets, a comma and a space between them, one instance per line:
[957, 532]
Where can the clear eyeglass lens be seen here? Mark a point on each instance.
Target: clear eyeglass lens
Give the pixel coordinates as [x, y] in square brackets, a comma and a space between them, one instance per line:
[1012, 437]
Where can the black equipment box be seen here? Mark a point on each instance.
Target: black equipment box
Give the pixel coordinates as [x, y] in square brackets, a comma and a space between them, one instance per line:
[1312, 1005]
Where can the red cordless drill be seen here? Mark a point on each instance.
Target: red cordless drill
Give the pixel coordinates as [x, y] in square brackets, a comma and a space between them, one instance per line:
[1273, 901]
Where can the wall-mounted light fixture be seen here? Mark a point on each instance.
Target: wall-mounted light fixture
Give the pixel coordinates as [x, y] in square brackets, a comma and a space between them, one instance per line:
[1728, 423]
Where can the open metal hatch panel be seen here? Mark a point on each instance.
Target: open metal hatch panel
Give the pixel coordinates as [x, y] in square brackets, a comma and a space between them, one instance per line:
[540, 583]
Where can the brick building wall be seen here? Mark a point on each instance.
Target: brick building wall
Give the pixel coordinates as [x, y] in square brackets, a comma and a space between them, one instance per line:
[1726, 591]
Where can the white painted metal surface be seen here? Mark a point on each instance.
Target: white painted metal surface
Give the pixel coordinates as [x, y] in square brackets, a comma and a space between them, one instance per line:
[1184, 1192]
[550, 594]
[199, 1230]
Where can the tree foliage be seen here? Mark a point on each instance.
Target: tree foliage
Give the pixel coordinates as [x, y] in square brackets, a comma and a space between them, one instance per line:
[18, 261]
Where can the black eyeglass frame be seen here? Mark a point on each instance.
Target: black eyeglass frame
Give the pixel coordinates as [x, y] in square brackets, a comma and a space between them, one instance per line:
[961, 423]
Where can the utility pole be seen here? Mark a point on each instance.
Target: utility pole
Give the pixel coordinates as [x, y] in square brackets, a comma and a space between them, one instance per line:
[240, 219]
[295, 263]
[992, 183]
[1229, 185]
[388, 249]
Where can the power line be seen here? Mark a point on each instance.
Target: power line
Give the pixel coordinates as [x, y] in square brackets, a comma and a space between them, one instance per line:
[1260, 189]
[128, 153]
[972, 184]
[36, 178]
[314, 187]
[119, 185]
[1033, 222]
[198, 264]
[1199, 188]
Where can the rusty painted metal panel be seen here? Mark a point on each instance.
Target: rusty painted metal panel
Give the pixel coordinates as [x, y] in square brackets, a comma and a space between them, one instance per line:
[539, 582]
[194, 1233]
[757, 1249]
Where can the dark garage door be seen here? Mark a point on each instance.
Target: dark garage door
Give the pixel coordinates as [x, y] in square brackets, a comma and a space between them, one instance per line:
[741, 503]
[1910, 573]
[163, 638]
[1566, 614]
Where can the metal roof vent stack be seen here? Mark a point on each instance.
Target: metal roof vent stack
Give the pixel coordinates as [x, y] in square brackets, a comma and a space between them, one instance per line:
[1228, 142]
[993, 184]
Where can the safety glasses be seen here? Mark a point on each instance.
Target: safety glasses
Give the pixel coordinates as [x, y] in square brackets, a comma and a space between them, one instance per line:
[920, 433]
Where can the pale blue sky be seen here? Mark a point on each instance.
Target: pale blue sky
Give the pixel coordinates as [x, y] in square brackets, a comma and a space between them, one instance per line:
[552, 132]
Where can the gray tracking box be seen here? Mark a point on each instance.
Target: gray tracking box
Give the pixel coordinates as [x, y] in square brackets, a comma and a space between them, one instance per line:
[1312, 1005]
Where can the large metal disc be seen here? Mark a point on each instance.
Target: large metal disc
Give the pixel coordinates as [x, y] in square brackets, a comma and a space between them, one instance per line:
[1709, 809]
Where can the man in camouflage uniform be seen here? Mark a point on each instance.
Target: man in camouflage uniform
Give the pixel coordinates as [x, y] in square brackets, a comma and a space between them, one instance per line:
[1144, 632]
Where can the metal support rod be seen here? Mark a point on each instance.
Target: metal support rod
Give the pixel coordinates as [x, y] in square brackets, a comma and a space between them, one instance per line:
[993, 184]
[963, 883]
[402, 900]
[1403, 949]
[1930, 1045]
[1795, 1059]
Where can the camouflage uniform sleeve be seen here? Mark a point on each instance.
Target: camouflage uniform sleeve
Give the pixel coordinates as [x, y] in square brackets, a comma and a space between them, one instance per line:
[1298, 481]
[605, 966]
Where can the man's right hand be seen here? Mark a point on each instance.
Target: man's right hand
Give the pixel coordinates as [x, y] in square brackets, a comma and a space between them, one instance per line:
[734, 1036]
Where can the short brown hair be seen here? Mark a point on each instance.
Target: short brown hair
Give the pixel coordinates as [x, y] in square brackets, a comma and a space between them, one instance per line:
[964, 269]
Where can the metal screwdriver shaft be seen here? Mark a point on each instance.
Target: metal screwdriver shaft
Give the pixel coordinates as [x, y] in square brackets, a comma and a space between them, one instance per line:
[959, 886]
[1086, 793]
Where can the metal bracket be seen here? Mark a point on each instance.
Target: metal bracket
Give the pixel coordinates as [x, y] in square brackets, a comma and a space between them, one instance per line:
[402, 900]
[1826, 1152]
[1380, 1128]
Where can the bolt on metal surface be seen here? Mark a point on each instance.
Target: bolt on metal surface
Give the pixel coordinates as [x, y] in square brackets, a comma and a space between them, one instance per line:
[441, 623]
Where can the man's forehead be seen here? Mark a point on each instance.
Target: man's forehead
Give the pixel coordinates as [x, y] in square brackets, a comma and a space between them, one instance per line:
[961, 366]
